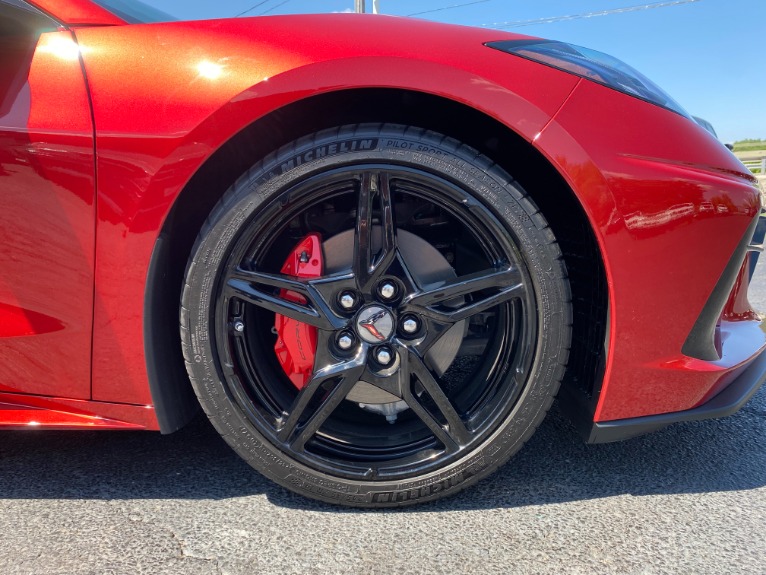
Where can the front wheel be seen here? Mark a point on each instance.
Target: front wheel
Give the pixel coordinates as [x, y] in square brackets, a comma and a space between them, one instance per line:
[376, 316]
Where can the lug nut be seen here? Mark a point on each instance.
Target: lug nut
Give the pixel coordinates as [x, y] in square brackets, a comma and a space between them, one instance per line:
[384, 356]
[345, 341]
[239, 326]
[387, 290]
[410, 325]
[347, 300]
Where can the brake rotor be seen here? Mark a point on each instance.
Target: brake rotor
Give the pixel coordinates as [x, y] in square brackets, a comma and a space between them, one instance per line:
[296, 341]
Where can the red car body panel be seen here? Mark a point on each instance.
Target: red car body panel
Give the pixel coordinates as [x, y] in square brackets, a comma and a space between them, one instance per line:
[662, 261]
[47, 223]
[165, 97]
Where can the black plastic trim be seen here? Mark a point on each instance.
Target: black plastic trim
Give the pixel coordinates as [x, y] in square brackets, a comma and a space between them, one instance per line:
[174, 401]
[700, 343]
[729, 401]
[42, 22]
[757, 244]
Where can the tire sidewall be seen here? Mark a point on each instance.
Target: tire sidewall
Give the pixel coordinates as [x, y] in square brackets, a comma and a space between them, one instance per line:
[493, 188]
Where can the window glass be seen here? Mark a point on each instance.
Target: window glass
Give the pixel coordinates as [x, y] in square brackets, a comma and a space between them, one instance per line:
[135, 12]
[20, 19]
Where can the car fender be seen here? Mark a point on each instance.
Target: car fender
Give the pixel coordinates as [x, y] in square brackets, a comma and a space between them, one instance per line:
[174, 100]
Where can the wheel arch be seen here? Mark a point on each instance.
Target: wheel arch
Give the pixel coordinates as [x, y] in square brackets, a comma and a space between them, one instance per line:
[171, 391]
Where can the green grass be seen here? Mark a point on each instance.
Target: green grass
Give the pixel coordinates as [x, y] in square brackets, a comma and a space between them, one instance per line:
[749, 145]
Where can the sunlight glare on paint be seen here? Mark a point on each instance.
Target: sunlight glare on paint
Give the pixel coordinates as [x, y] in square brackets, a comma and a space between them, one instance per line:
[62, 47]
[209, 70]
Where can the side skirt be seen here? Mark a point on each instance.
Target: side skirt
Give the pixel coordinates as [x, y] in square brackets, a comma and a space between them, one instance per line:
[729, 401]
[19, 411]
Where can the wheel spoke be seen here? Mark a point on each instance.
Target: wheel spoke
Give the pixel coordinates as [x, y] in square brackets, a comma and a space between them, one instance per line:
[368, 267]
[387, 217]
[294, 433]
[243, 284]
[454, 434]
[505, 283]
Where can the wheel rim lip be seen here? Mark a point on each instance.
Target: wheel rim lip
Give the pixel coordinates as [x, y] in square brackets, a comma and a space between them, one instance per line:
[428, 186]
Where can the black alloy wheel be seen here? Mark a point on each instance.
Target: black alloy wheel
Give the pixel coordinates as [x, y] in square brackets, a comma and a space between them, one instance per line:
[442, 316]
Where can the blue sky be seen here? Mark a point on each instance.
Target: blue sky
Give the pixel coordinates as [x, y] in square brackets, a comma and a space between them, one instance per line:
[708, 54]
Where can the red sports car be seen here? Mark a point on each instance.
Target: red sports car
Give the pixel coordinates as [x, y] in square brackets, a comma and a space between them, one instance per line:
[391, 243]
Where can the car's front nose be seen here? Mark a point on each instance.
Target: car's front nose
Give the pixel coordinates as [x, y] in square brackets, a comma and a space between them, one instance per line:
[674, 213]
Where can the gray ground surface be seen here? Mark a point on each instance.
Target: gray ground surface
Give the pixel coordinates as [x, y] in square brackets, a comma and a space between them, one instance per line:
[689, 499]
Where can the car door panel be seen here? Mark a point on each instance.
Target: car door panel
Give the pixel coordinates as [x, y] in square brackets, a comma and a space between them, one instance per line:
[47, 190]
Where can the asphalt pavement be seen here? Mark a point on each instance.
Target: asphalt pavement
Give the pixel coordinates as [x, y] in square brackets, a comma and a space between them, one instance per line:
[688, 499]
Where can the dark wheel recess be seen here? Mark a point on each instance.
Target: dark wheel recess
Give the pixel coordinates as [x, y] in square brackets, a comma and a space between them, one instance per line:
[376, 315]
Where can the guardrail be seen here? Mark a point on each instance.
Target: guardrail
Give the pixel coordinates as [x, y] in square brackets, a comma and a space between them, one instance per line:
[757, 166]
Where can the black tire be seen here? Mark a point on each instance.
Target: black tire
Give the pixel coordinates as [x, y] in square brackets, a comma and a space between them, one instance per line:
[453, 428]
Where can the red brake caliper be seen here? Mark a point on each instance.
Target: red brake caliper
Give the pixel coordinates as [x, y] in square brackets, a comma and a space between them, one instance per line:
[297, 341]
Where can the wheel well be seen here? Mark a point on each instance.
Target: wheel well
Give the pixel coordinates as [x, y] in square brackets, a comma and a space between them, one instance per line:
[171, 391]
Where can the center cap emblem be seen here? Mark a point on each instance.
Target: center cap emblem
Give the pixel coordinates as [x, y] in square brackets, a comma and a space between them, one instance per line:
[374, 324]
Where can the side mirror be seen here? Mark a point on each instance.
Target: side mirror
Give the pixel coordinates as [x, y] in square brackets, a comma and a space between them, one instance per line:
[730, 146]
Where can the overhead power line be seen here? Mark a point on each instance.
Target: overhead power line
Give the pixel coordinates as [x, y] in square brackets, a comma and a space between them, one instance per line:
[448, 7]
[252, 8]
[273, 8]
[519, 23]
